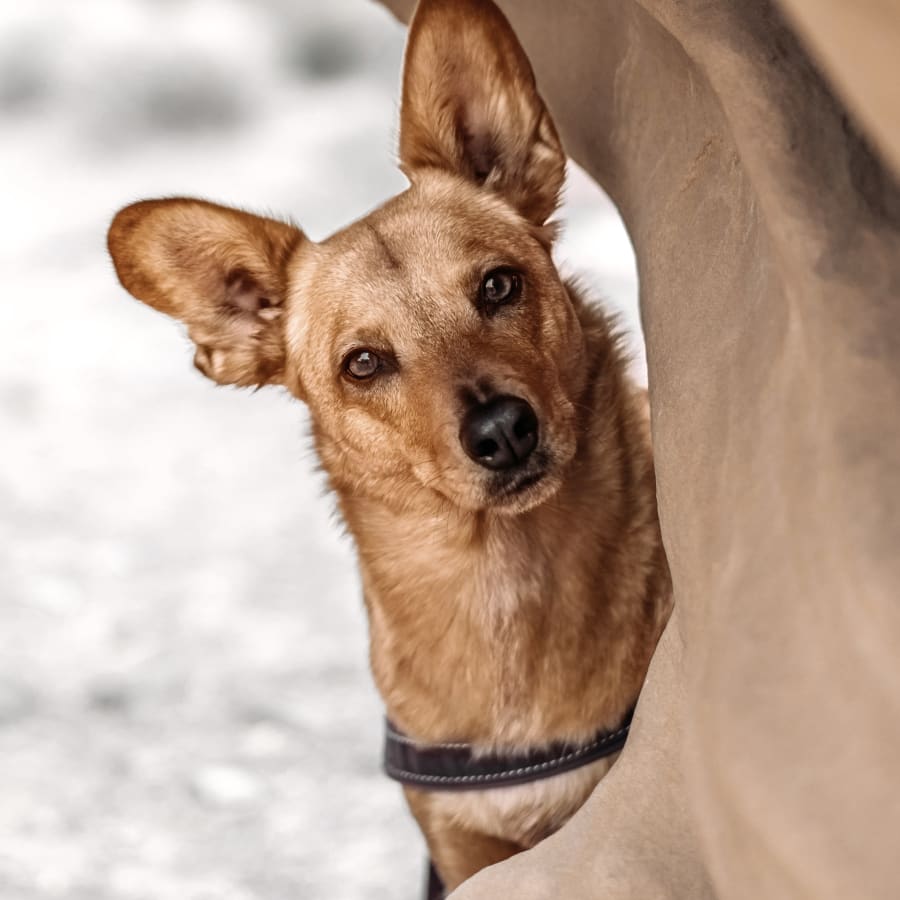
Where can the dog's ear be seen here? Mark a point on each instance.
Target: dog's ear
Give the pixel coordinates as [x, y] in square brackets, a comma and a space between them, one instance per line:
[470, 105]
[220, 271]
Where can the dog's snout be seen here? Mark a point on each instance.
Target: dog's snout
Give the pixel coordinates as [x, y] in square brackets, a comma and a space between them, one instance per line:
[501, 433]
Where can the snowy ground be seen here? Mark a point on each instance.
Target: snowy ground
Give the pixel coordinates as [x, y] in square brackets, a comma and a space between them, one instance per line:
[185, 707]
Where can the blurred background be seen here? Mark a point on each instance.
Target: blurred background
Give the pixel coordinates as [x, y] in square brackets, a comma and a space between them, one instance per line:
[185, 704]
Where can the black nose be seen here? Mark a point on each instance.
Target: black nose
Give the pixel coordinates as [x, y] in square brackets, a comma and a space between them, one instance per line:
[501, 433]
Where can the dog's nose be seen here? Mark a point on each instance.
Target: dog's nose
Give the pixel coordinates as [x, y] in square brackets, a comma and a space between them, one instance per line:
[501, 433]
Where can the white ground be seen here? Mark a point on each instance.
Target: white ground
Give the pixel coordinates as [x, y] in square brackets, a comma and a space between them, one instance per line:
[185, 707]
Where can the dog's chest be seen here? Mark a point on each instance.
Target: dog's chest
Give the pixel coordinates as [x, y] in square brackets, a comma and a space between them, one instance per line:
[524, 813]
[461, 629]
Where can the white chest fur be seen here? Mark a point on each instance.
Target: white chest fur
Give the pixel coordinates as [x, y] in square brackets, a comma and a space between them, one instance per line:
[523, 813]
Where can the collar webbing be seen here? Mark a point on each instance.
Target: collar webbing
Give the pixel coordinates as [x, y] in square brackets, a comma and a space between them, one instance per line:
[460, 767]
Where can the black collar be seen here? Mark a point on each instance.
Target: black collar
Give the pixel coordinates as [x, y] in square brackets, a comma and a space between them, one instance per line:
[458, 767]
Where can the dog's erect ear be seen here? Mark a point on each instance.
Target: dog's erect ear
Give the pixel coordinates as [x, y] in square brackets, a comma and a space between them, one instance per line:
[219, 270]
[470, 105]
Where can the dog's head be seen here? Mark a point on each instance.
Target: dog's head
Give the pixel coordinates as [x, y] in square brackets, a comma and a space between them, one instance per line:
[433, 340]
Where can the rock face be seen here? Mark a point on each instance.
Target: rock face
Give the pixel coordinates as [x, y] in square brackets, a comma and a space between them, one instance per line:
[764, 760]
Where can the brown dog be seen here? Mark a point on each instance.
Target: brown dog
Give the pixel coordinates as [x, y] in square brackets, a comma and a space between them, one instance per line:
[489, 454]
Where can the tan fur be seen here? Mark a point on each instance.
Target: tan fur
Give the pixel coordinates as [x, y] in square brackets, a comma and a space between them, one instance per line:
[504, 619]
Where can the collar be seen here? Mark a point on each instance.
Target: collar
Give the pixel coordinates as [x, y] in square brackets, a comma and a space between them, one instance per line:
[460, 767]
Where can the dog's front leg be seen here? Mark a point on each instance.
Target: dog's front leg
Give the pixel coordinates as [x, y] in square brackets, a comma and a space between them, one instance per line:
[457, 852]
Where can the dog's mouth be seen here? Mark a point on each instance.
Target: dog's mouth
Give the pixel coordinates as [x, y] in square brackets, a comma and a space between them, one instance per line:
[522, 488]
[515, 485]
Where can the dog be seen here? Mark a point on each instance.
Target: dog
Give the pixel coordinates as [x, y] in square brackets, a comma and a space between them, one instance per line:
[474, 417]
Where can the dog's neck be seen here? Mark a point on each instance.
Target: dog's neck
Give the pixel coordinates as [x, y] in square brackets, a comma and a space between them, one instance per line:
[518, 630]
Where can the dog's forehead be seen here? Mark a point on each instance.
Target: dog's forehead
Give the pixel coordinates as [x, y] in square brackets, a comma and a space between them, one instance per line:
[421, 243]
[408, 271]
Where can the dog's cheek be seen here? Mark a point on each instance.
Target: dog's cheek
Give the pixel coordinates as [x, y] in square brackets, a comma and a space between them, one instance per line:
[430, 452]
[566, 344]
[557, 393]
[566, 438]
[370, 436]
[294, 380]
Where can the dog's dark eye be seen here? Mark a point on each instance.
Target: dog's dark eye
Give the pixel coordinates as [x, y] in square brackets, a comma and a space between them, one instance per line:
[500, 286]
[362, 364]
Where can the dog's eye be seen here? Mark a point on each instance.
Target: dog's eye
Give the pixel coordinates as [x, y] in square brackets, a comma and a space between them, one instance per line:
[362, 364]
[500, 286]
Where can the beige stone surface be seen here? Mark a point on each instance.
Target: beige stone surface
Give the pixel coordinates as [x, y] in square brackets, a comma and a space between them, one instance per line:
[765, 761]
[856, 44]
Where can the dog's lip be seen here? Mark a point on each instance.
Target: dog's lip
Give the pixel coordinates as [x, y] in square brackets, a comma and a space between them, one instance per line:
[517, 483]
[526, 481]
[520, 491]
